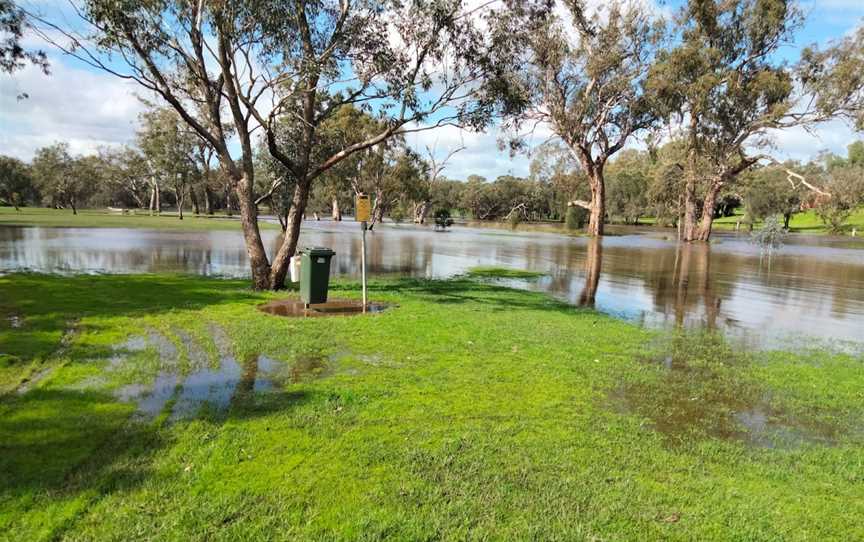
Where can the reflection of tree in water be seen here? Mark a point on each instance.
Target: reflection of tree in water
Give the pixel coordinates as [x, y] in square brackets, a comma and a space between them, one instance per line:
[694, 283]
[593, 263]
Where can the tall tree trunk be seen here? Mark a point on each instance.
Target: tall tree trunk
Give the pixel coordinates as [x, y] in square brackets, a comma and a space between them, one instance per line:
[421, 211]
[208, 200]
[289, 242]
[74, 207]
[336, 212]
[593, 264]
[786, 218]
[229, 206]
[181, 196]
[158, 200]
[194, 197]
[688, 227]
[377, 209]
[703, 232]
[597, 212]
[152, 199]
[251, 234]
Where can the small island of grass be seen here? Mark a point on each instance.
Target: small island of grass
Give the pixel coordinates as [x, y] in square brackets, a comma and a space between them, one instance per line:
[493, 272]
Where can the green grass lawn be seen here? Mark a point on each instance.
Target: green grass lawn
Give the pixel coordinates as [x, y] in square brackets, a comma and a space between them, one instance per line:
[466, 411]
[806, 222]
[492, 272]
[36, 216]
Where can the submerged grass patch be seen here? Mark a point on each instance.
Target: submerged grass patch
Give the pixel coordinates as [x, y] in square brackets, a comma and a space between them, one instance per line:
[466, 411]
[492, 272]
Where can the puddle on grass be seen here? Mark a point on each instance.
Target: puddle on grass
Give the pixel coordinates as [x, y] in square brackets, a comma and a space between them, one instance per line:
[293, 308]
[700, 394]
[209, 386]
[309, 367]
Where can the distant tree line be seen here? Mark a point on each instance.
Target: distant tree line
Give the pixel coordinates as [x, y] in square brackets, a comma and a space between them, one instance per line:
[299, 106]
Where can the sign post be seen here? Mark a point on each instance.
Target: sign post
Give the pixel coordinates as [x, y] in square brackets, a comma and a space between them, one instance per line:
[362, 211]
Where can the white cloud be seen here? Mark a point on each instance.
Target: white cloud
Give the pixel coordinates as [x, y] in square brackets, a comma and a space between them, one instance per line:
[481, 155]
[87, 109]
[799, 144]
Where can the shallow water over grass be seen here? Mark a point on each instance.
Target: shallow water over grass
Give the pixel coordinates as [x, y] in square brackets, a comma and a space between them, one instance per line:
[182, 389]
[700, 387]
[814, 288]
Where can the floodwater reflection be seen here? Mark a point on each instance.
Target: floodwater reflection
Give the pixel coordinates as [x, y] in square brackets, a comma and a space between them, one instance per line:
[814, 287]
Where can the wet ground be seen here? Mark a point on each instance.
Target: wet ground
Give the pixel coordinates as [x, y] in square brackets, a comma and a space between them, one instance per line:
[293, 308]
[814, 287]
[183, 388]
[699, 388]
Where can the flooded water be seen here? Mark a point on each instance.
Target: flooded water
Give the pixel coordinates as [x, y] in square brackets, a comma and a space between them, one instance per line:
[814, 287]
[291, 308]
[700, 390]
[210, 384]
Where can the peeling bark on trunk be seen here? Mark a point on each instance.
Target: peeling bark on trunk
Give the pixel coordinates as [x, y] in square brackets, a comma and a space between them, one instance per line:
[251, 234]
[688, 227]
[597, 213]
[703, 232]
[336, 213]
[593, 264]
[152, 199]
[289, 242]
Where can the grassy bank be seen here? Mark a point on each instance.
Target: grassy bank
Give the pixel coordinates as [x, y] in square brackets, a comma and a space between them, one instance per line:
[806, 222]
[88, 218]
[466, 411]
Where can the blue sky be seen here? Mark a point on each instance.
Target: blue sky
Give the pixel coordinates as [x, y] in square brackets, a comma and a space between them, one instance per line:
[88, 108]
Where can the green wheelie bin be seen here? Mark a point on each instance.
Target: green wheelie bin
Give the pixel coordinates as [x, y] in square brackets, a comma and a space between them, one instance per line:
[315, 274]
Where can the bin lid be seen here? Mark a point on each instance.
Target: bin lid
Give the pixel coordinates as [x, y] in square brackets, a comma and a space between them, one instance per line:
[318, 251]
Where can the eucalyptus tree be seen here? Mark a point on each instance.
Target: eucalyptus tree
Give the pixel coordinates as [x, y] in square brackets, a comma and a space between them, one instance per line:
[63, 181]
[584, 77]
[436, 166]
[835, 77]
[13, 55]
[416, 64]
[725, 89]
[16, 183]
[170, 149]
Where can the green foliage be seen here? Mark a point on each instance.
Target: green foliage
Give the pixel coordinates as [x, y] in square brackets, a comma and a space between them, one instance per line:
[835, 75]
[846, 186]
[576, 217]
[16, 183]
[14, 55]
[442, 219]
[584, 74]
[771, 236]
[768, 191]
[62, 180]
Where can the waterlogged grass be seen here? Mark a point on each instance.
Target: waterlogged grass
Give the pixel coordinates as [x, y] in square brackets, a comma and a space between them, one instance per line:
[466, 411]
[88, 218]
[491, 272]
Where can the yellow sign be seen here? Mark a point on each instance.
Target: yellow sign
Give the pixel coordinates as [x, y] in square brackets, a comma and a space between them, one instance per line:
[362, 208]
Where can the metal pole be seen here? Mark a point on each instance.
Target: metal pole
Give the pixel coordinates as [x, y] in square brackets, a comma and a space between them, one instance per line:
[363, 263]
